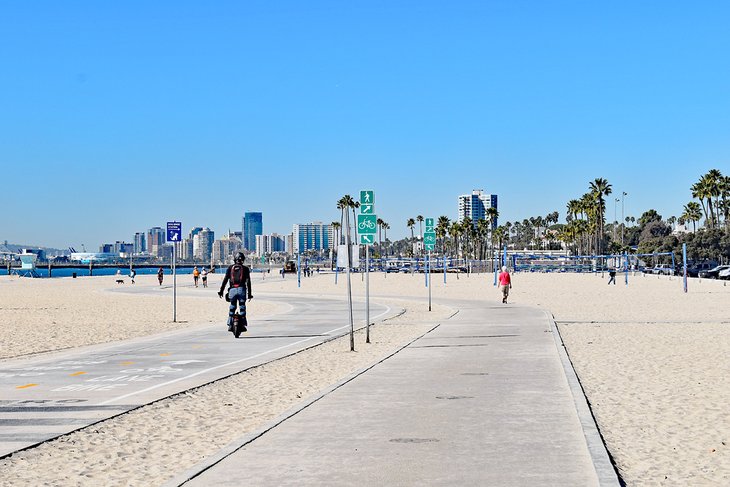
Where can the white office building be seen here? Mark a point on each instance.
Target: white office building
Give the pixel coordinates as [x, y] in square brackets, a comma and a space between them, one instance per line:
[474, 206]
[267, 244]
[312, 236]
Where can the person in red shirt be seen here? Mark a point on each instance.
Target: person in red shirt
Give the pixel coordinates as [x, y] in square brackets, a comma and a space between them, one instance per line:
[505, 283]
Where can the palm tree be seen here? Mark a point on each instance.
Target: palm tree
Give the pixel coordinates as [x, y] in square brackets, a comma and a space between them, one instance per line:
[342, 206]
[693, 213]
[574, 207]
[441, 229]
[410, 224]
[386, 227]
[455, 230]
[380, 224]
[599, 189]
[705, 189]
[482, 236]
[724, 205]
[336, 229]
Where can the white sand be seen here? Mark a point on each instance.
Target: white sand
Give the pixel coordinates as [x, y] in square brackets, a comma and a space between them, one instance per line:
[653, 363]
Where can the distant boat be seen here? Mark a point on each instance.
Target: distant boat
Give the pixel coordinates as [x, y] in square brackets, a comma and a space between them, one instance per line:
[90, 257]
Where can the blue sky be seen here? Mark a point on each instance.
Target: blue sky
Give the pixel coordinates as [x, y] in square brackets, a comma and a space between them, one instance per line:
[131, 114]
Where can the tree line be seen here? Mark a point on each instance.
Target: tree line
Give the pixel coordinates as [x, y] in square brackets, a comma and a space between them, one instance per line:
[584, 232]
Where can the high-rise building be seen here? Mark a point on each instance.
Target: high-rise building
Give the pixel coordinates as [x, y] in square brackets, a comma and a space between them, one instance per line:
[312, 236]
[226, 248]
[140, 243]
[185, 249]
[253, 224]
[203, 244]
[155, 240]
[474, 206]
[267, 244]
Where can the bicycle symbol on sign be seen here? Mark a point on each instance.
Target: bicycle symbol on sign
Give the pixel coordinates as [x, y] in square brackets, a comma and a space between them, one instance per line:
[366, 224]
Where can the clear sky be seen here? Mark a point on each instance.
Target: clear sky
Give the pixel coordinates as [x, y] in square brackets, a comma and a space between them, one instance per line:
[125, 115]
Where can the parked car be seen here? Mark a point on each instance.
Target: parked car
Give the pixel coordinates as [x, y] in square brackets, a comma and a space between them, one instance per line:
[714, 272]
[724, 274]
[693, 270]
[663, 269]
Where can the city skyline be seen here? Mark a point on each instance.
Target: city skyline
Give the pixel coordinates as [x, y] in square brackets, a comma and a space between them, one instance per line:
[116, 119]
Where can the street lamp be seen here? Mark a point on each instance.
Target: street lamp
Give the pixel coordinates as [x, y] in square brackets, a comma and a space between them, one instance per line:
[614, 219]
[623, 194]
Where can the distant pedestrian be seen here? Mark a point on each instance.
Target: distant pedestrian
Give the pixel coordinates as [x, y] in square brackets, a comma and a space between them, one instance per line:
[204, 277]
[612, 276]
[160, 275]
[132, 275]
[196, 276]
[505, 283]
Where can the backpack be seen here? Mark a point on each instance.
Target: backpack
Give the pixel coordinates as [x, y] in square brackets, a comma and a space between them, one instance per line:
[237, 275]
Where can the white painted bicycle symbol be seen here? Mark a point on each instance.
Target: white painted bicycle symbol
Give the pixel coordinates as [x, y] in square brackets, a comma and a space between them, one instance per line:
[366, 224]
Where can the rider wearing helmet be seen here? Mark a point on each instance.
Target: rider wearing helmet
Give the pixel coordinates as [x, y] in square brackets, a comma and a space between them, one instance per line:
[239, 277]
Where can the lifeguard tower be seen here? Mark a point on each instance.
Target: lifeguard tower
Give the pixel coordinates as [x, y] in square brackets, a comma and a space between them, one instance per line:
[27, 264]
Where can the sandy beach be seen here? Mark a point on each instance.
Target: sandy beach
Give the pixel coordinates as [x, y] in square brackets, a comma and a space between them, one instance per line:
[651, 359]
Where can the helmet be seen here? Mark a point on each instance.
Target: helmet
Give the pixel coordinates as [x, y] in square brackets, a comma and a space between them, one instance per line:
[239, 258]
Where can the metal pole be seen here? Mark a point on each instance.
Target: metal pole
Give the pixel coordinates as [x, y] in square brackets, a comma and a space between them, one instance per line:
[425, 268]
[626, 268]
[367, 293]
[684, 266]
[623, 224]
[444, 268]
[494, 263]
[174, 284]
[428, 270]
[349, 284]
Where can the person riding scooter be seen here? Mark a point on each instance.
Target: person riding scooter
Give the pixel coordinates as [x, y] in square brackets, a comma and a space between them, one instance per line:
[239, 277]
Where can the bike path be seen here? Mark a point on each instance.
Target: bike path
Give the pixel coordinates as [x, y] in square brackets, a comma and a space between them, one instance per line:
[53, 394]
[484, 399]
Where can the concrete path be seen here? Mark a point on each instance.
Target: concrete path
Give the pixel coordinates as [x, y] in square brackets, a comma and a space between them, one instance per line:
[481, 400]
[49, 395]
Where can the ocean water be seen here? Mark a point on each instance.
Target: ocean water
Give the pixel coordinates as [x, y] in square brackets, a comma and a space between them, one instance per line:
[83, 271]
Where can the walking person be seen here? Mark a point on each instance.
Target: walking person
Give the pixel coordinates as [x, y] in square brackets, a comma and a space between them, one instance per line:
[612, 276]
[132, 275]
[204, 277]
[196, 276]
[160, 275]
[505, 283]
[239, 277]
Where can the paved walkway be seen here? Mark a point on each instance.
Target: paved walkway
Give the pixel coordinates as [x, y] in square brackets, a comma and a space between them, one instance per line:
[484, 399]
[45, 396]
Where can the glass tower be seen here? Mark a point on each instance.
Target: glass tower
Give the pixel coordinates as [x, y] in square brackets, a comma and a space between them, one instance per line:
[253, 224]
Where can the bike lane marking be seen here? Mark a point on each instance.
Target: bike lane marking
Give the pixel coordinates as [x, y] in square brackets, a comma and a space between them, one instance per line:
[125, 396]
[210, 369]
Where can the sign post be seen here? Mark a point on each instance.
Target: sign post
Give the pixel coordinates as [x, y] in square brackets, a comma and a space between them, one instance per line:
[429, 243]
[349, 284]
[684, 265]
[174, 233]
[367, 238]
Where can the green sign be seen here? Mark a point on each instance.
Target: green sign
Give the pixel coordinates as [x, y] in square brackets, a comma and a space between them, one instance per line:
[367, 209]
[430, 246]
[367, 239]
[367, 198]
[367, 224]
[429, 238]
[429, 222]
[263, 259]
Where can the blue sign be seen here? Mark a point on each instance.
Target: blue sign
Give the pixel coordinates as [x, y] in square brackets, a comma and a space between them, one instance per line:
[174, 231]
